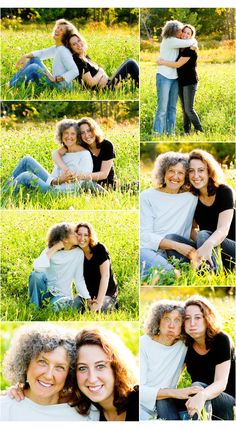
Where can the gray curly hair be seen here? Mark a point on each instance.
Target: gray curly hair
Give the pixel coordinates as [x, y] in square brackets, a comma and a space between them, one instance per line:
[156, 313]
[171, 28]
[28, 342]
[59, 232]
[64, 125]
[163, 162]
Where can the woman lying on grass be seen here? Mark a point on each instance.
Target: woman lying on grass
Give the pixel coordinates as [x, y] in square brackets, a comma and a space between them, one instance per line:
[90, 74]
[64, 69]
[77, 160]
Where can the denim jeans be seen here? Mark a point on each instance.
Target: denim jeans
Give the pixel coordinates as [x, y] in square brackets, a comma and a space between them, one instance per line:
[167, 93]
[227, 250]
[128, 69]
[174, 409]
[109, 304]
[187, 95]
[222, 405]
[40, 295]
[34, 71]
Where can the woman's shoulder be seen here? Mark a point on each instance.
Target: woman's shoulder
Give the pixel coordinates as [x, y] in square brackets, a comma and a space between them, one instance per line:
[222, 338]
[107, 143]
[223, 189]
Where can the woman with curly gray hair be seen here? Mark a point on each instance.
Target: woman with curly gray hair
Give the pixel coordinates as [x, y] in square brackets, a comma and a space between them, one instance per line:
[167, 78]
[41, 360]
[162, 354]
[166, 215]
[31, 175]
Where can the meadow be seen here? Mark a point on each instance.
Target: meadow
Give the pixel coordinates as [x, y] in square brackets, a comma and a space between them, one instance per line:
[215, 97]
[37, 139]
[24, 237]
[127, 331]
[108, 46]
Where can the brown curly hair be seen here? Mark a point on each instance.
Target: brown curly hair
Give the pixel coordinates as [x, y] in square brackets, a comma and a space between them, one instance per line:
[215, 172]
[122, 364]
[93, 241]
[94, 128]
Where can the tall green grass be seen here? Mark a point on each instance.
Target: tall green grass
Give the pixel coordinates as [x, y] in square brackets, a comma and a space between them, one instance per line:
[37, 140]
[109, 47]
[23, 239]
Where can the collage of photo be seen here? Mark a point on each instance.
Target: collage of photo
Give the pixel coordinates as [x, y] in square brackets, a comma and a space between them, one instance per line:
[118, 187]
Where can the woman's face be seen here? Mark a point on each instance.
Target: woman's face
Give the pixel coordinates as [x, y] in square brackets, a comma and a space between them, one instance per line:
[69, 137]
[174, 178]
[58, 31]
[198, 174]
[195, 323]
[186, 33]
[87, 135]
[170, 325]
[46, 376]
[77, 45]
[83, 237]
[72, 238]
[94, 374]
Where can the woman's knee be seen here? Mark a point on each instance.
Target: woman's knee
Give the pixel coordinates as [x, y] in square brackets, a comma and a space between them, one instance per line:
[202, 236]
[37, 277]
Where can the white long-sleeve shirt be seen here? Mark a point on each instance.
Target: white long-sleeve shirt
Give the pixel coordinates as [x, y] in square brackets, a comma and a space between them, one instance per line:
[160, 368]
[63, 63]
[79, 162]
[61, 269]
[162, 213]
[169, 51]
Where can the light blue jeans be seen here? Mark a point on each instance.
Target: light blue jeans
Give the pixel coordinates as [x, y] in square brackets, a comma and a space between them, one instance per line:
[40, 295]
[30, 174]
[34, 71]
[167, 96]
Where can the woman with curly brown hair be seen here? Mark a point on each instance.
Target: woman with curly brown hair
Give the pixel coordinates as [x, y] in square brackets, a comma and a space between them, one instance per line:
[210, 360]
[215, 212]
[106, 376]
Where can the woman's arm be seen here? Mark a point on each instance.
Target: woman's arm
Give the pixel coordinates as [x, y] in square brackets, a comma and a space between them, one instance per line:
[98, 175]
[182, 248]
[99, 79]
[57, 158]
[196, 403]
[224, 221]
[174, 64]
[23, 59]
[103, 285]
[178, 393]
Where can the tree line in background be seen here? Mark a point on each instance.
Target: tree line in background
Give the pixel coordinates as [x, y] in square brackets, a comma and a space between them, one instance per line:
[47, 111]
[108, 16]
[223, 152]
[217, 22]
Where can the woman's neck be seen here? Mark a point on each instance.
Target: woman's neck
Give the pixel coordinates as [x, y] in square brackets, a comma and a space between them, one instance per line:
[41, 401]
[110, 411]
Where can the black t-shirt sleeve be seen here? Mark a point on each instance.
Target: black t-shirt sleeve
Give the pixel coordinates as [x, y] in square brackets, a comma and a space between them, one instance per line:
[222, 348]
[187, 52]
[102, 254]
[225, 198]
[108, 151]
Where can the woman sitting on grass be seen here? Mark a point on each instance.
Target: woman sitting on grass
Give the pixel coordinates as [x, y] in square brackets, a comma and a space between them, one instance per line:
[30, 174]
[102, 151]
[166, 215]
[90, 73]
[215, 212]
[64, 69]
[210, 360]
[98, 273]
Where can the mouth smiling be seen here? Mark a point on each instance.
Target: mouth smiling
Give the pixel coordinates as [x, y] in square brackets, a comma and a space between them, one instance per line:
[95, 389]
[43, 384]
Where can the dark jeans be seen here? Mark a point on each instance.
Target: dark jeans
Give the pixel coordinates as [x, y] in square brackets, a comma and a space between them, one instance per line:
[179, 239]
[128, 69]
[227, 250]
[187, 95]
[109, 304]
[222, 405]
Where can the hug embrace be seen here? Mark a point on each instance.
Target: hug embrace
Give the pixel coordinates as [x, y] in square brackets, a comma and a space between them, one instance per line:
[189, 215]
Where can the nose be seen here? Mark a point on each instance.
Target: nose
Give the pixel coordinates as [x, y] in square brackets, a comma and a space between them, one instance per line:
[49, 373]
[171, 323]
[92, 377]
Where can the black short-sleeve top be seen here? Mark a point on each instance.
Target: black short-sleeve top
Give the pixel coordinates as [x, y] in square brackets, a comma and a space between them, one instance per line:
[202, 367]
[85, 66]
[207, 217]
[187, 74]
[92, 273]
[106, 153]
[131, 407]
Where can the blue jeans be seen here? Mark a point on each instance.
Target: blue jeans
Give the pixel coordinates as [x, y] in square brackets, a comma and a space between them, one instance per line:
[40, 295]
[227, 250]
[167, 93]
[187, 94]
[222, 405]
[34, 71]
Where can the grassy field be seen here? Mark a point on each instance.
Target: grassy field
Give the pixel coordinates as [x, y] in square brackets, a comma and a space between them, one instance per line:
[127, 331]
[23, 239]
[109, 47]
[37, 140]
[215, 99]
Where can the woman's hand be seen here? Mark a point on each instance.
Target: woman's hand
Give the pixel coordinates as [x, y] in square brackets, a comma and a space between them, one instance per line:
[59, 79]
[94, 306]
[196, 403]
[15, 392]
[185, 250]
[21, 62]
[187, 391]
[204, 253]
[160, 61]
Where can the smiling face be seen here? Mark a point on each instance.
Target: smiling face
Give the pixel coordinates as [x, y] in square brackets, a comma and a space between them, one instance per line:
[77, 45]
[195, 323]
[69, 137]
[170, 326]
[94, 375]
[87, 135]
[83, 237]
[186, 33]
[58, 31]
[174, 178]
[198, 174]
[46, 376]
